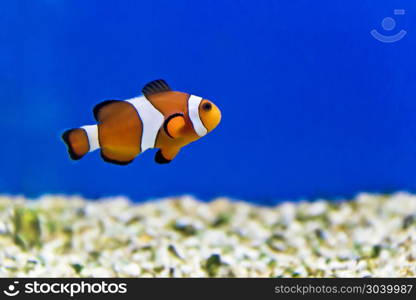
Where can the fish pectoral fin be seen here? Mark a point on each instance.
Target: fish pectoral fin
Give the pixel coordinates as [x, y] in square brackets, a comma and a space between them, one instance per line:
[174, 125]
[166, 155]
[155, 86]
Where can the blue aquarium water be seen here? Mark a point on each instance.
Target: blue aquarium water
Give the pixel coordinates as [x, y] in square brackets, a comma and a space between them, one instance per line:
[315, 103]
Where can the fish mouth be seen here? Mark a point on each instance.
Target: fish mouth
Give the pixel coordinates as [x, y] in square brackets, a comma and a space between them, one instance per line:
[215, 118]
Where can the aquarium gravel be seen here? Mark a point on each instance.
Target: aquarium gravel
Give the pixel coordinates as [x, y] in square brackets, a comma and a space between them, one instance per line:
[369, 236]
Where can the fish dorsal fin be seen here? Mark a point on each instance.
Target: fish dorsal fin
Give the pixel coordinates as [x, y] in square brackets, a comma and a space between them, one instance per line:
[155, 86]
[104, 109]
[174, 125]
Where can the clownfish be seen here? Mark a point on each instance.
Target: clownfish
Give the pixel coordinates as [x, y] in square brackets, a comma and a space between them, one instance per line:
[160, 118]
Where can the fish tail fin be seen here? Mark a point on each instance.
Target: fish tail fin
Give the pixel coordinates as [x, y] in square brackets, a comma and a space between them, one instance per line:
[80, 141]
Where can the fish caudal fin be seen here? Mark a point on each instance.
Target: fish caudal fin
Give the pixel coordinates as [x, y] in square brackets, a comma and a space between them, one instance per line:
[80, 141]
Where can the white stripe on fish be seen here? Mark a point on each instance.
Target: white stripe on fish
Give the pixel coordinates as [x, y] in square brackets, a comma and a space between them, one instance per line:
[193, 111]
[92, 134]
[151, 118]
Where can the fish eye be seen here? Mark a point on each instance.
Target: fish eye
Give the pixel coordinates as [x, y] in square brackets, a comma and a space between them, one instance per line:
[207, 106]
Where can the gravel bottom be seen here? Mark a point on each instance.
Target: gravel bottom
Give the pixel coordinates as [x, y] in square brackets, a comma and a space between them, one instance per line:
[369, 236]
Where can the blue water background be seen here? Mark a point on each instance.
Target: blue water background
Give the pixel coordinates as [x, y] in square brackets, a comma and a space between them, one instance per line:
[313, 106]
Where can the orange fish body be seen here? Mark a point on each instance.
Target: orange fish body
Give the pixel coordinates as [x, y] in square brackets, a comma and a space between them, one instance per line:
[161, 118]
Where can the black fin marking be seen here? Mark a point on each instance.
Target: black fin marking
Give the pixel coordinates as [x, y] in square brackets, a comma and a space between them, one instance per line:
[155, 86]
[116, 162]
[160, 159]
[165, 124]
[65, 138]
[100, 105]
